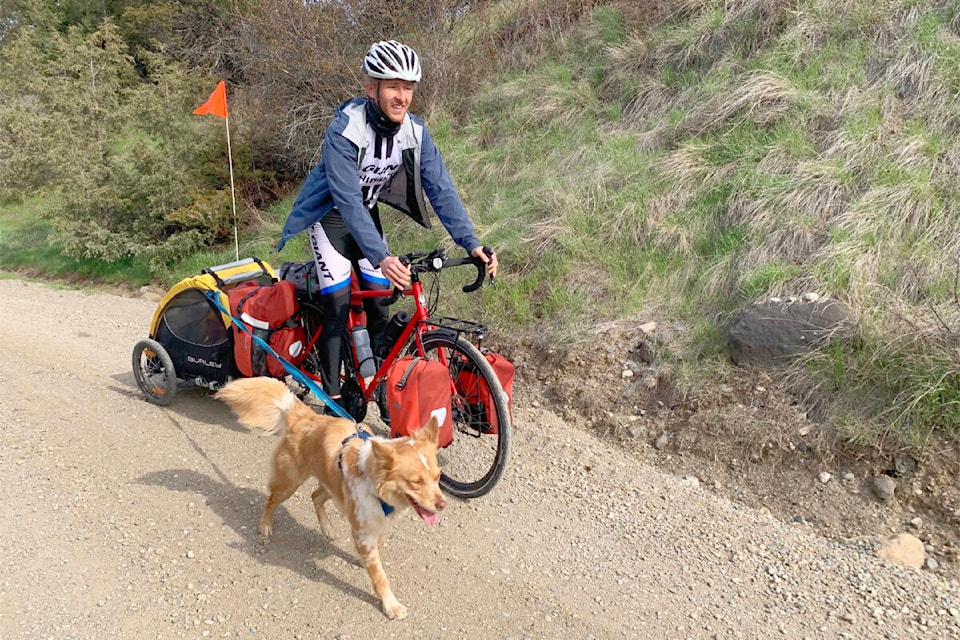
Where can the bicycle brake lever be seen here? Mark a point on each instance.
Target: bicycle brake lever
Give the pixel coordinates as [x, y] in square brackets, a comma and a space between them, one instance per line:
[489, 251]
[397, 292]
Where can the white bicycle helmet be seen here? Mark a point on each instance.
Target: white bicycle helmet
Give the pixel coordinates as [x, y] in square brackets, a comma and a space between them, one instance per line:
[390, 60]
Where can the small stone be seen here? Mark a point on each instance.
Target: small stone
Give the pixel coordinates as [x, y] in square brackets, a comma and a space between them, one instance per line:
[690, 481]
[648, 327]
[626, 373]
[811, 296]
[661, 443]
[825, 477]
[884, 487]
[931, 564]
[917, 522]
[848, 477]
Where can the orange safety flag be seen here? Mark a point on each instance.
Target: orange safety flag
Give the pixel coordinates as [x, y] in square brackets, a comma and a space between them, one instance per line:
[216, 103]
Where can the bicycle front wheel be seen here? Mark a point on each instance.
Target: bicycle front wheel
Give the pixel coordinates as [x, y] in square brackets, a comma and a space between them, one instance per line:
[473, 463]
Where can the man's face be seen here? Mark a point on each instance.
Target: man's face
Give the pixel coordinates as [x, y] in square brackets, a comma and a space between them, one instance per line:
[392, 96]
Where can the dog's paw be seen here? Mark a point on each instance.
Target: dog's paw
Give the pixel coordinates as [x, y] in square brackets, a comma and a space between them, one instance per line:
[325, 525]
[265, 529]
[394, 610]
[327, 530]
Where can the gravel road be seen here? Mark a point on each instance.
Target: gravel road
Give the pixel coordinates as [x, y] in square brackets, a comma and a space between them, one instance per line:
[127, 520]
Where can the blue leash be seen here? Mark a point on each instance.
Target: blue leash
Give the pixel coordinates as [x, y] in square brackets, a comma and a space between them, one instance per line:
[298, 375]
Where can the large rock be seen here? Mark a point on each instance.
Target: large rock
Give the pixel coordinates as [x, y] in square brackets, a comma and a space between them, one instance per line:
[903, 549]
[772, 333]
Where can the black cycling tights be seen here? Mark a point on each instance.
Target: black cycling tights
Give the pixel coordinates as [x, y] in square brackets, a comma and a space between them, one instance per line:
[336, 305]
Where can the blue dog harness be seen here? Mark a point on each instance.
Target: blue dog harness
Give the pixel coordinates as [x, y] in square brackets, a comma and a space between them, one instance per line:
[363, 435]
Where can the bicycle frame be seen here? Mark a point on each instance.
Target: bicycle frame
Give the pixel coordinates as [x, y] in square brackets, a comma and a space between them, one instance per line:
[455, 343]
[417, 325]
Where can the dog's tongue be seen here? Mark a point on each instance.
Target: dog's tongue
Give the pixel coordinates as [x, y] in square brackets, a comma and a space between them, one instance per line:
[430, 517]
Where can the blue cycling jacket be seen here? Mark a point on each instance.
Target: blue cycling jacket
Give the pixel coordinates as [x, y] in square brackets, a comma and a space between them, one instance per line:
[335, 183]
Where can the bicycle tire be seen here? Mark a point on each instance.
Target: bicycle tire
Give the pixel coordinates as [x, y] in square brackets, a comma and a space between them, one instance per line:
[474, 462]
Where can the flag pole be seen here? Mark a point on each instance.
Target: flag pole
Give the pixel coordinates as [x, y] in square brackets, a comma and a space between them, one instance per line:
[233, 193]
[216, 104]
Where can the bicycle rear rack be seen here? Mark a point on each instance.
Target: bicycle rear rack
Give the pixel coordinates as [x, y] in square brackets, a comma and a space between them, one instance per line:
[476, 330]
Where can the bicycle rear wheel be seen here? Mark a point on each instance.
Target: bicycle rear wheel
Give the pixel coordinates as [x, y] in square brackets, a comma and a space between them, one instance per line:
[473, 463]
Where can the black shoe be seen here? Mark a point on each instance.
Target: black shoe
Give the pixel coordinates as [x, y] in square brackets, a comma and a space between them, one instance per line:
[328, 410]
[381, 397]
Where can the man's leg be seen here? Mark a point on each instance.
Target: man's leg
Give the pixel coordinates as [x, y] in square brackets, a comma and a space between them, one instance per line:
[328, 238]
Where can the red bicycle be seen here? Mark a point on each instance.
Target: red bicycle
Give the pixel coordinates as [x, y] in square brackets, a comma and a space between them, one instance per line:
[474, 462]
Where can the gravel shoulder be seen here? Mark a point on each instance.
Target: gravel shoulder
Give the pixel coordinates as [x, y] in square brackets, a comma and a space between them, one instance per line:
[124, 519]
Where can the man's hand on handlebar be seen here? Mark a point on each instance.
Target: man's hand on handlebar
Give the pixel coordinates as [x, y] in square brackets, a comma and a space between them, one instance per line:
[489, 256]
[396, 272]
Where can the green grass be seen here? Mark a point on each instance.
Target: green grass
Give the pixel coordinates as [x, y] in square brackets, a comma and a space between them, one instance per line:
[26, 245]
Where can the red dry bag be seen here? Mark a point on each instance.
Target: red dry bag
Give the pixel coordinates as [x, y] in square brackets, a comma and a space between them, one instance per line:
[476, 392]
[416, 390]
[271, 313]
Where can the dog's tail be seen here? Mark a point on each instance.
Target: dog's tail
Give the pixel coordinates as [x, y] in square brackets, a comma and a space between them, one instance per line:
[261, 402]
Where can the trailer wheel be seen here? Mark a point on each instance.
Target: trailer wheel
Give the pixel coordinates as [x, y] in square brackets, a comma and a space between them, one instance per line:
[153, 369]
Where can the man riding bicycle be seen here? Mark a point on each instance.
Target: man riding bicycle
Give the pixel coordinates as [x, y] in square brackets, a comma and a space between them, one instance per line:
[374, 150]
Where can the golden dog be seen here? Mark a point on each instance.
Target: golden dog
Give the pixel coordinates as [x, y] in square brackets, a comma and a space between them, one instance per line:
[369, 478]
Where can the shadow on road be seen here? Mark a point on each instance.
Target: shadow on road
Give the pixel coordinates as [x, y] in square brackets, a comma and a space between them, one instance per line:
[292, 545]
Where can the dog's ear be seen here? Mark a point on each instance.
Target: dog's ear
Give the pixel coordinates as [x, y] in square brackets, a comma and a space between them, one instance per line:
[382, 450]
[430, 432]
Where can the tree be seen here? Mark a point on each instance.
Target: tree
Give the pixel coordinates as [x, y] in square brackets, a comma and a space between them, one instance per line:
[123, 155]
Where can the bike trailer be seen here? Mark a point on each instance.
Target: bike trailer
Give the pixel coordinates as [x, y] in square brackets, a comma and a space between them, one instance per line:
[418, 389]
[476, 393]
[194, 333]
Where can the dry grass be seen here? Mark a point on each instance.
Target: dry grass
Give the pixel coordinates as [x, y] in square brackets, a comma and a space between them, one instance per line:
[716, 27]
[793, 146]
[629, 222]
[761, 98]
[652, 100]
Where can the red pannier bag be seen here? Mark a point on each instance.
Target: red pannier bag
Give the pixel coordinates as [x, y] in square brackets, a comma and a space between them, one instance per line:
[271, 312]
[416, 390]
[475, 391]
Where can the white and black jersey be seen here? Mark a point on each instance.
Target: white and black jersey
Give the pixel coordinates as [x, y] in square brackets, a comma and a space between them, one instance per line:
[381, 161]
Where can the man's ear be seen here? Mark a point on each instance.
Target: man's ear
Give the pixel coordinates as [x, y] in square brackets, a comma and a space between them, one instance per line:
[370, 86]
